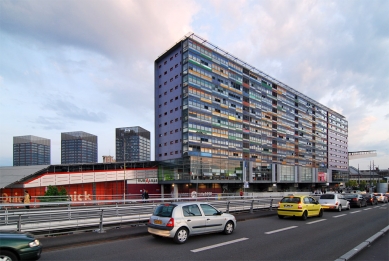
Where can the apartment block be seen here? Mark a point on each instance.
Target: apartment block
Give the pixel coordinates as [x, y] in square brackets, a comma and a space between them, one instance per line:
[220, 120]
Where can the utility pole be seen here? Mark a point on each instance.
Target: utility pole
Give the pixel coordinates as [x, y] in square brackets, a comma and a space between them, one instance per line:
[370, 177]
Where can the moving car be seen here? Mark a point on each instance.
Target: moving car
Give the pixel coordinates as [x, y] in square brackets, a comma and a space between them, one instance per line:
[179, 220]
[381, 197]
[19, 246]
[299, 206]
[334, 201]
[371, 199]
[356, 200]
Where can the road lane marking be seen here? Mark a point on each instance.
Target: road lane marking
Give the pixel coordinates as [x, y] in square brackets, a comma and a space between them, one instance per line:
[279, 230]
[313, 222]
[219, 245]
[339, 215]
[367, 208]
[355, 212]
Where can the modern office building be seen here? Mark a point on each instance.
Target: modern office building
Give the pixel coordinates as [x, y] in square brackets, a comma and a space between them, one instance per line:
[31, 150]
[219, 120]
[78, 147]
[134, 142]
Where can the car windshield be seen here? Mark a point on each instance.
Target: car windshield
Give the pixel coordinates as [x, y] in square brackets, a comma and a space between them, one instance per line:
[327, 196]
[164, 210]
[290, 200]
[351, 196]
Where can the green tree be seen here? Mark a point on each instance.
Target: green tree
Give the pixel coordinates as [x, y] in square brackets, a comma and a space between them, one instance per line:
[53, 194]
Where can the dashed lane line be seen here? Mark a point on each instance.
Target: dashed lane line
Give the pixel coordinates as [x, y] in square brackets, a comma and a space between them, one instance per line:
[280, 230]
[316, 221]
[219, 245]
[339, 215]
[355, 212]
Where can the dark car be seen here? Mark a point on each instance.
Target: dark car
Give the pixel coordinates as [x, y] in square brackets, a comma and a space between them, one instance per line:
[356, 200]
[16, 245]
[371, 199]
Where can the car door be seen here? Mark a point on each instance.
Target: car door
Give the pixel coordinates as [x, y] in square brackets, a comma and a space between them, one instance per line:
[313, 206]
[214, 220]
[343, 201]
[194, 218]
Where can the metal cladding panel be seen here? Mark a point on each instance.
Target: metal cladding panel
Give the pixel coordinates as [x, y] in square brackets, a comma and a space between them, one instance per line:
[75, 178]
[61, 179]
[48, 180]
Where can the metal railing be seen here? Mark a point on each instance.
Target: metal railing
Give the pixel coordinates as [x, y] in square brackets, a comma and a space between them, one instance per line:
[61, 217]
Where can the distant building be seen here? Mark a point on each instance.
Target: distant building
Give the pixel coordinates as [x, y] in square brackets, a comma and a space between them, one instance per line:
[134, 142]
[78, 147]
[31, 150]
[108, 159]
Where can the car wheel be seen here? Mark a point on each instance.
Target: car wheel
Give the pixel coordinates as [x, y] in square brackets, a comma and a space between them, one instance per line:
[181, 236]
[304, 216]
[7, 255]
[340, 208]
[321, 212]
[280, 216]
[229, 228]
[359, 205]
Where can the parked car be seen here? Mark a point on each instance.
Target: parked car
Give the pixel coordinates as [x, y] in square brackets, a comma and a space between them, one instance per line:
[334, 201]
[381, 197]
[356, 200]
[19, 246]
[299, 206]
[179, 220]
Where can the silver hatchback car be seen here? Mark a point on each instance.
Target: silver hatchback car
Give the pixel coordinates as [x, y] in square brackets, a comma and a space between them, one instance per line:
[179, 220]
[334, 201]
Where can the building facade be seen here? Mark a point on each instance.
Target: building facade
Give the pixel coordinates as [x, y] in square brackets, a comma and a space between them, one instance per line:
[31, 150]
[219, 119]
[134, 143]
[78, 147]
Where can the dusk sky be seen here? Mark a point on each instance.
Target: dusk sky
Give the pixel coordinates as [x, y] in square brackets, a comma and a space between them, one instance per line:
[88, 65]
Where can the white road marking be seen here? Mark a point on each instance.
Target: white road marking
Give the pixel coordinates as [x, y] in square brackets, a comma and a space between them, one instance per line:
[313, 222]
[367, 208]
[219, 245]
[339, 215]
[280, 230]
[355, 212]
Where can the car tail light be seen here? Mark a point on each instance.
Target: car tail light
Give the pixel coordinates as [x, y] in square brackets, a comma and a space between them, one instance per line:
[337, 203]
[279, 204]
[300, 206]
[355, 199]
[170, 223]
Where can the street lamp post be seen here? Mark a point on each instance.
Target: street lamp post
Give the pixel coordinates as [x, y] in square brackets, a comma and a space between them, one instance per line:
[124, 176]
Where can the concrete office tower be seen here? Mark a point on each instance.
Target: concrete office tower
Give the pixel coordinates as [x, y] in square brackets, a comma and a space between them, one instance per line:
[78, 147]
[31, 150]
[134, 142]
[221, 118]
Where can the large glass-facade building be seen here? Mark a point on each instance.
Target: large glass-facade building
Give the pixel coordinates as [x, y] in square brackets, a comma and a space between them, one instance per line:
[31, 150]
[78, 147]
[219, 119]
[134, 143]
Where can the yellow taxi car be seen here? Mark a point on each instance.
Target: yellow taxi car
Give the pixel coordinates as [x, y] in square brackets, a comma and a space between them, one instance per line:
[299, 206]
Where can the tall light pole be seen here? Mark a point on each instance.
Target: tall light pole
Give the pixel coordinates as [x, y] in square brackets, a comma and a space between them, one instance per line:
[124, 176]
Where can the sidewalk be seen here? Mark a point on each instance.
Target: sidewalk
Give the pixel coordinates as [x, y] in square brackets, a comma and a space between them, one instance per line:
[83, 238]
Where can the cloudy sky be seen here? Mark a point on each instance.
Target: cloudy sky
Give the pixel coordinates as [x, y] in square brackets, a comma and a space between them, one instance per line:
[88, 65]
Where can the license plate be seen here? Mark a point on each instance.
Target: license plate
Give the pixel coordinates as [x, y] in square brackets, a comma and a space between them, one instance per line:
[158, 222]
[288, 206]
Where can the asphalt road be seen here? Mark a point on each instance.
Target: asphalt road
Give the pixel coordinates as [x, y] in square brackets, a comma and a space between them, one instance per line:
[267, 238]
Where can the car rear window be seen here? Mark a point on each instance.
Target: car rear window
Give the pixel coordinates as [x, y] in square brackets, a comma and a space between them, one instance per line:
[290, 200]
[351, 196]
[327, 196]
[164, 210]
